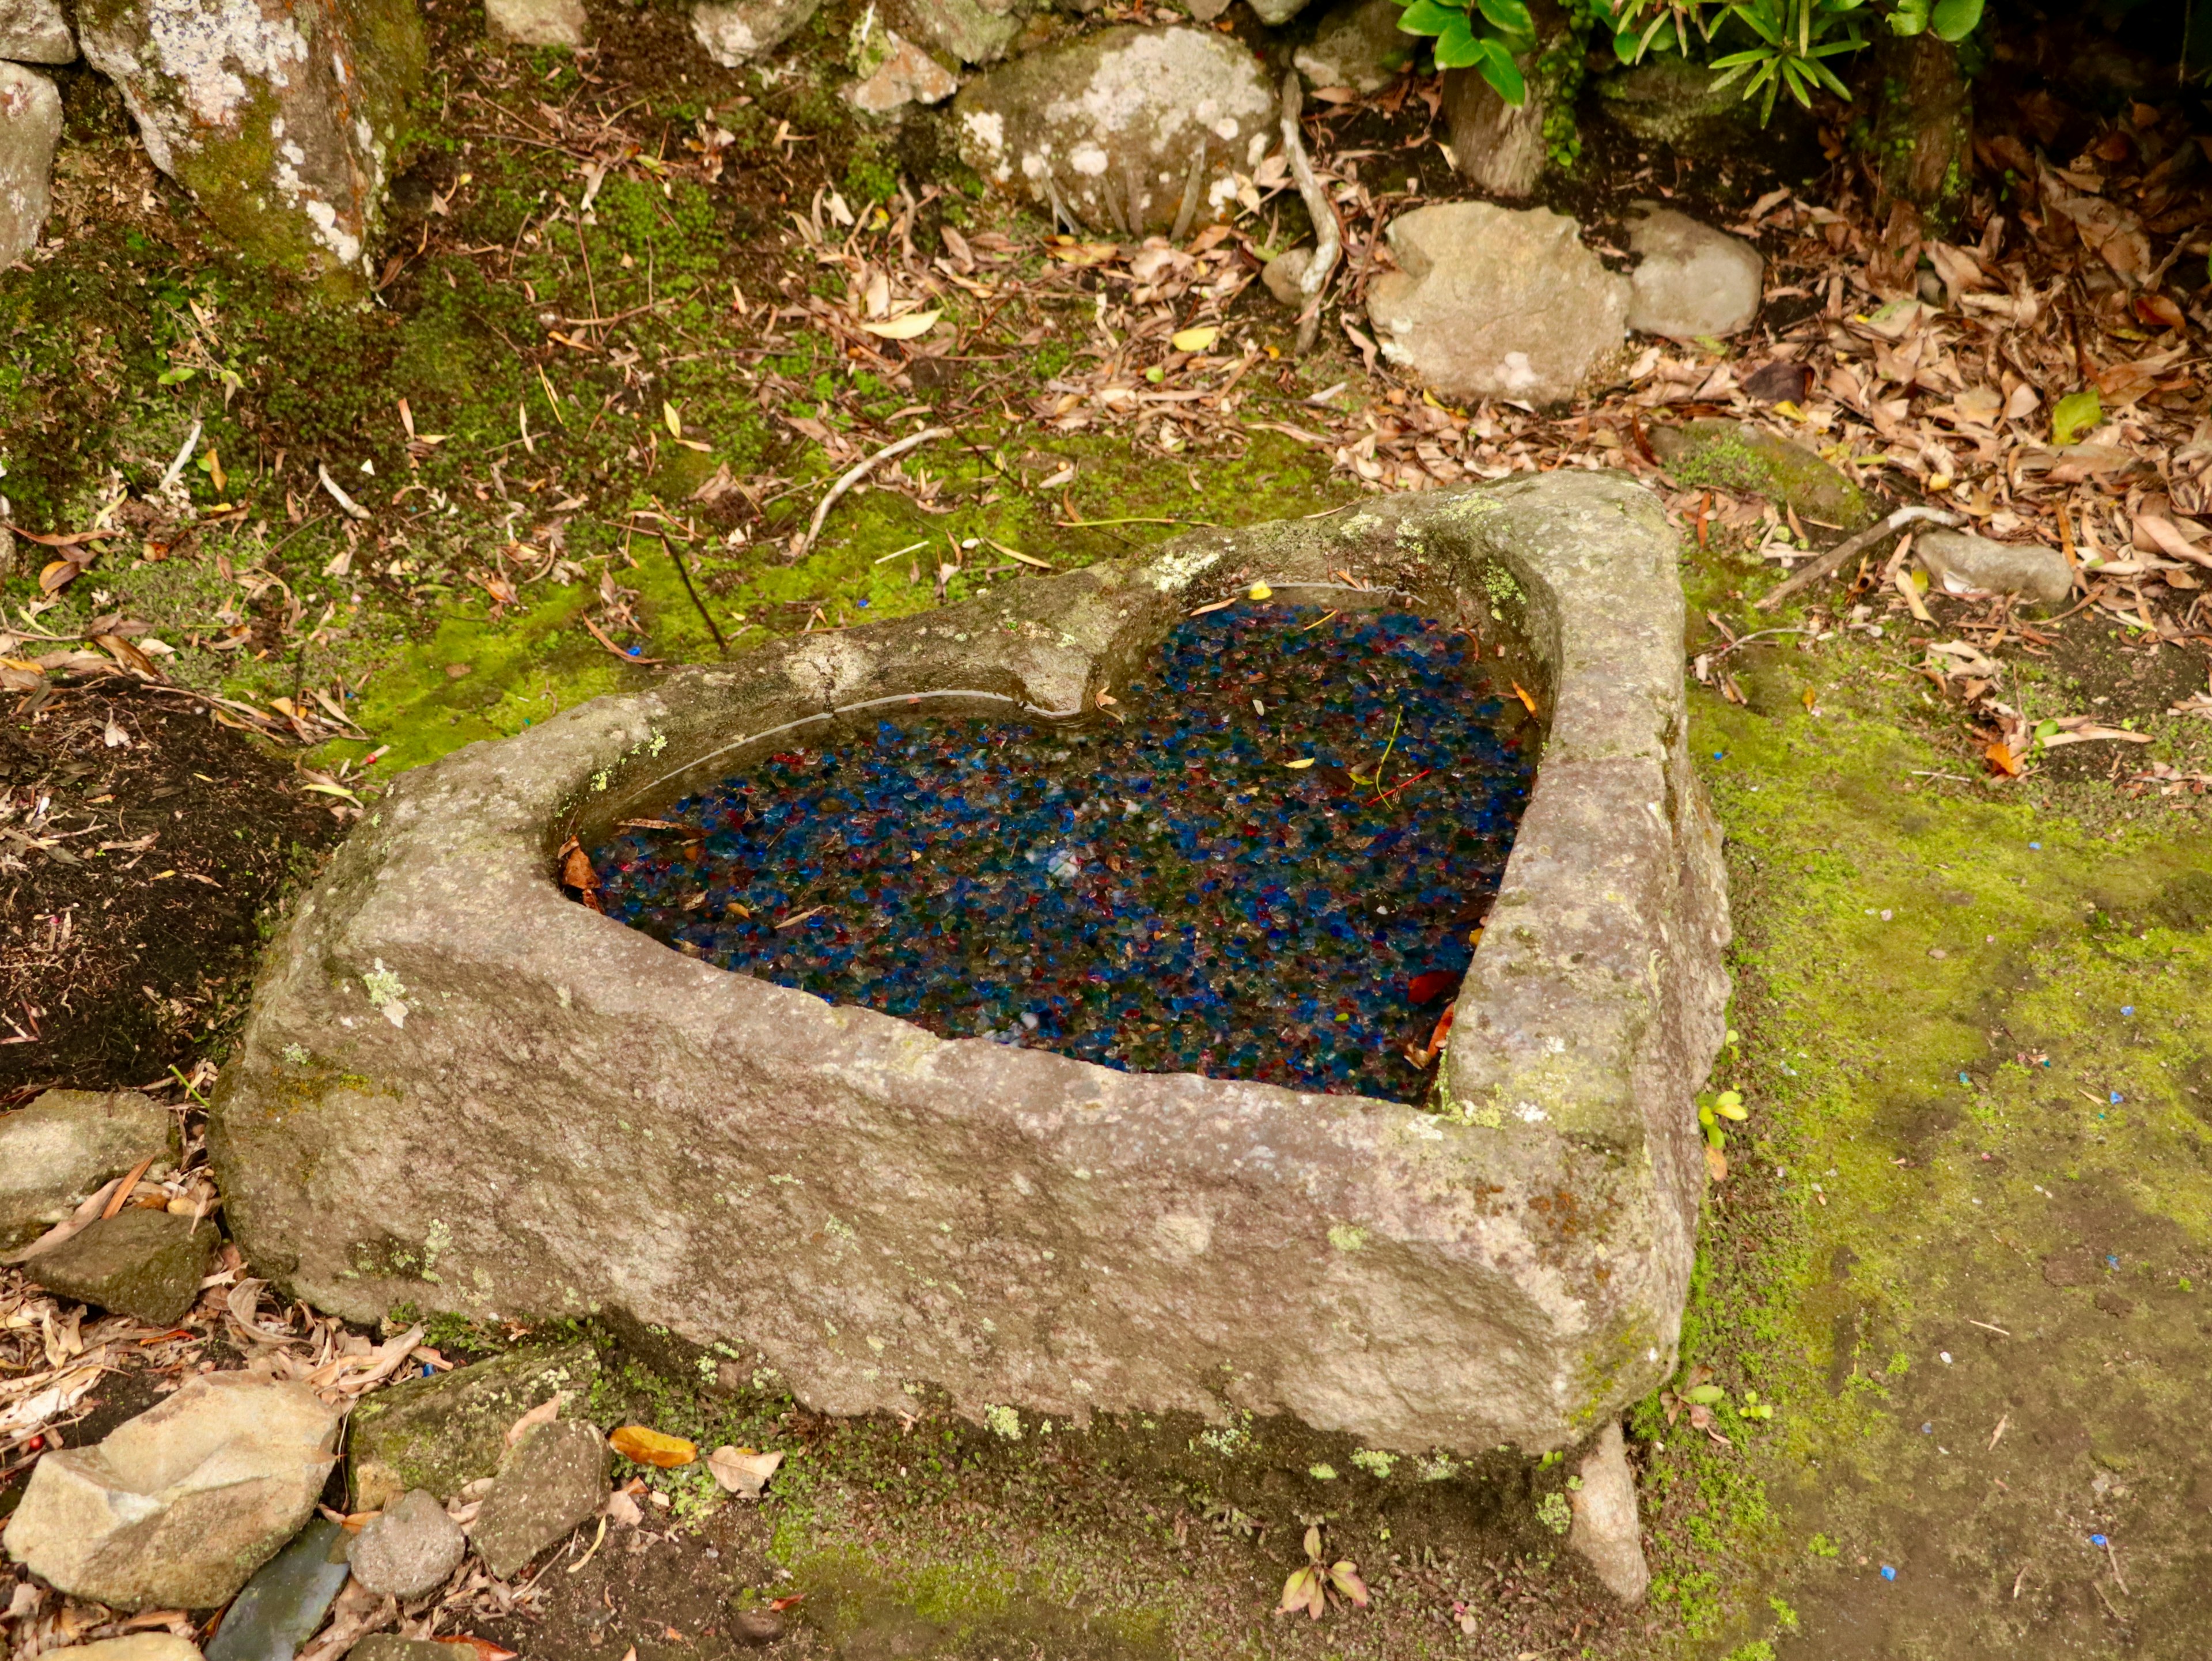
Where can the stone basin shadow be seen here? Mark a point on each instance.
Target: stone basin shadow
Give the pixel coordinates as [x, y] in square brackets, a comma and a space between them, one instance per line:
[460, 1091]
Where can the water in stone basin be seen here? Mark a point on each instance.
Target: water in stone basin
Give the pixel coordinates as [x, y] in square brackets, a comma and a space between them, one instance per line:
[1272, 868]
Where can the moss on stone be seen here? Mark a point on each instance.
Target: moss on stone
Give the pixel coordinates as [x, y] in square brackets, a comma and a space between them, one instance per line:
[1726, 455]
[443, 1434]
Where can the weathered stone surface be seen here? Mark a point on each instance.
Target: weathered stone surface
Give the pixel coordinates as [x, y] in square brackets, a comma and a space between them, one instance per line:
[907, 75]
[552, 1479]
[443, 1434]
[68, 1142]
[1962, 563]
[848, 1181]
[1693, 280]
[1728, 455]
[179, 1507]
[1285, 272]
[537, 22]
[967, 31]
[30, 128]
[413, 1548]
[741, 30]
[1605, 1531]
[1276, 13]
[142, 1263]
[35, 32]
[1671, 104]
[390, 1647]
[138, 1646]
[1496, 302]
[283, 1604]
[1497, 147]
[277, 115]
[1129, 130]
[1359, 45]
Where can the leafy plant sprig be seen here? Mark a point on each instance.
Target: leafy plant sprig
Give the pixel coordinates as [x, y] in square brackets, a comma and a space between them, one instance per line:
[1482, 35]
[1309, 1588]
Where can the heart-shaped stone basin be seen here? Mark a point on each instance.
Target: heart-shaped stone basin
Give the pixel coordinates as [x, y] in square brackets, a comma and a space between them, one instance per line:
[460, 1090]
[1270, 861]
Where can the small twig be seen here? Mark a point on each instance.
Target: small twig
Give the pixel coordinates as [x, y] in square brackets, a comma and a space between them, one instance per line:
[1328, 240]
[1849, 547]
[1971, 1322]
[1996, 1434]
[705, 617]
[858, 471]
[353, 509]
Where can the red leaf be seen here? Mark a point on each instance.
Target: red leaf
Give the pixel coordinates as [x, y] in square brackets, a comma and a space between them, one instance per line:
[1427, 988]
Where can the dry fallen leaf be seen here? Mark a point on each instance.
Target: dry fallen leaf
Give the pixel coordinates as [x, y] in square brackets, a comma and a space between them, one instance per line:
[544, 1414]
[741, 1471]
[910, 326]
[651, 1447]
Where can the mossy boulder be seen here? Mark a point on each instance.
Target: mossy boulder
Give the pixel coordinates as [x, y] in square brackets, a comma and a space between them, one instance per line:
[279, 117]
[146, 1265]
[1728, 455]
[443, 1434]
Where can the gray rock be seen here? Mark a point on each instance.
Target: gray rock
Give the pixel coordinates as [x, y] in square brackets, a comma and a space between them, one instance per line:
[1131, 130]
[1671, 104]
[30, 128]
[146, 1265]
[907, 75]
[278, 116]
[1496, 302]
[138, 1646]
[283, 1605]
[1605, 1531]
[552, 1480]
[35, 32]
[443, 1434]
[1497, 147]
[390, 1647]
[68, 1142]
[1716, 454]
[461, 1162]
[413, 1548]
[736, 32]
[1961, 564]
[965, 31]
[1275, 13]
[1285, 272]
[1359, 45]
[179, 1507]
[1694, 281]
[537, 22]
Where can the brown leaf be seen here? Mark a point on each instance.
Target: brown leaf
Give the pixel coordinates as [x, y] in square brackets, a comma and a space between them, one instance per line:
[741, 1471]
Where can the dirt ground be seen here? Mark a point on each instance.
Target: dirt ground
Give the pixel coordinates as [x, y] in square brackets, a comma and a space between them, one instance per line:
[1952, 1288]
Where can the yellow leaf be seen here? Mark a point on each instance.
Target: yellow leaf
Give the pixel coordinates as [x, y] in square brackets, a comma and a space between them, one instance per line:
[651, 1447]
[1194, 340]
[1260, 591]
[1807, 697]
[903, 328]
[674, 420]
[1296, 765]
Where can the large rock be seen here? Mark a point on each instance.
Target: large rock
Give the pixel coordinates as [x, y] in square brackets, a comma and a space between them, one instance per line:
[283, 1604]
[411, 1550]
[1693, 280]
[1359, 45]
[138, 1262]
[552, 1479]
[179, 1507]
[965, 30]
[1962, 564]
[30, 128]
[68, 1142]
[537, 22]
[1129, 130]
[1496, 302]
[574, 1118]
[736, 32]
[442, 1433]
[1674, 105]
[1717, 455]
[277, 115]
[35, 32]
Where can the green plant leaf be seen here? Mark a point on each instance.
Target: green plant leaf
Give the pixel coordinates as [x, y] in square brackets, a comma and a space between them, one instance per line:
[1457, 46]
[1954, 20]
[1499, 70]
[1509, 23]
[1431, 18]
[2074, 415]
[1705, 1396]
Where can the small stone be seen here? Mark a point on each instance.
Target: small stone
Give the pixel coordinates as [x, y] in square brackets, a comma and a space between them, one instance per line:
[35, 32]
[138, 1646]
[908, 76]
[1726, 455]
[537, 22]
[283, 1605]
[1359, 46]
[443, 1434]
[30, 128]
[412, 1548]
[967, 31]
[1496, 302]
[67, 1142]
[736, 32]
[1284, 273]
[142, 1263]
[756, 1628]
[1276, 13]
[1498, 148]
[179, 1507]
[551, 1481]
[1671, 104]
[1604, 1530]
[1692, 281]
[390, 1647]
[1129, 130]
[1961, 564]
